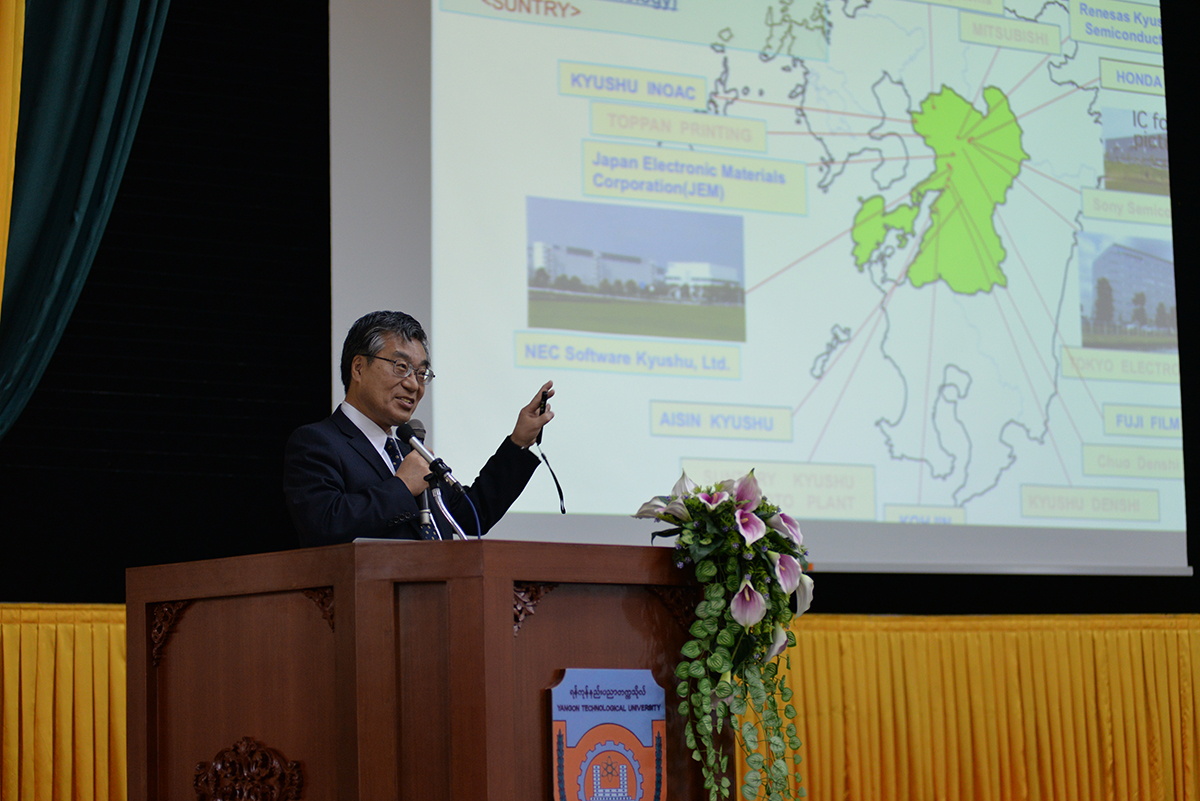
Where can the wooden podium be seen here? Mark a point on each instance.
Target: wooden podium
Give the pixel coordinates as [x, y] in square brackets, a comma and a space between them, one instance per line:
[384, 670]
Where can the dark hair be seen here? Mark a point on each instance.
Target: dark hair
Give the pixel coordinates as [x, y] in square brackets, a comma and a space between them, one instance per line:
[365, 337]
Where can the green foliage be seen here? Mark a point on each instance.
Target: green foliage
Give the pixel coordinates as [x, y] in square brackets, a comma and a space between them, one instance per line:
[725, 675]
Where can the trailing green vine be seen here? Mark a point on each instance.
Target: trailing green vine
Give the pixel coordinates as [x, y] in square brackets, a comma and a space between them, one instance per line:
[749, 557]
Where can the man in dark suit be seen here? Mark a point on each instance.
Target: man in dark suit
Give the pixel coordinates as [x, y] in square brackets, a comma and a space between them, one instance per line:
[339, 479]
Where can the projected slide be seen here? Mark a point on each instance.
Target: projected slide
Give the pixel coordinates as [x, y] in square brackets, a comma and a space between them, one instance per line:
[910, 261]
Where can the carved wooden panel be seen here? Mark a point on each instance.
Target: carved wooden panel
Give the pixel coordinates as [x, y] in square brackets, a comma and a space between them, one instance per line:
[681, 602]
[166, 615]
[526, 595]
[323, 598]
[249, 771]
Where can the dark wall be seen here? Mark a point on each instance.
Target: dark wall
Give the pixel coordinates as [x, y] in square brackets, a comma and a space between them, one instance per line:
[202, 339]
[202, 335]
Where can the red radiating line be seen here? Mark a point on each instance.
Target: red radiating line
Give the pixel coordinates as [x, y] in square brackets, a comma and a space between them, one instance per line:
[1063, 184]
[853, 336]
[998, 166]
[887, 158]
[983, 80]
[978, 177]
[830, 366]
[1028, 380]
[992, 159]
[972, 232]
[882, 305]
[1036, 67]
[982, 119]
[1013, 121]
[846, 385]
[1037, 352]
[1024, 186]
[931, 83]
[1049, 314]
[966, 116]
[835, 112]
[782, 270]
[822, 246]
[842, 133]
[1074, 89]
[946, 219]
[974, 236]
[982, 147]
[1030, 191]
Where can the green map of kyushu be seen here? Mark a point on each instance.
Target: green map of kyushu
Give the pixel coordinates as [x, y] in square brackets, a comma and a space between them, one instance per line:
[978, 157]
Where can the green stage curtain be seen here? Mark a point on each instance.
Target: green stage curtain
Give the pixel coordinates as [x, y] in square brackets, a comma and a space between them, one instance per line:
[12, 34]
[86, 69]
[1104, 708]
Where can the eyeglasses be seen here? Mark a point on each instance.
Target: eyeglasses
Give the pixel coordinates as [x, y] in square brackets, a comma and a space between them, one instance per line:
[403, 370]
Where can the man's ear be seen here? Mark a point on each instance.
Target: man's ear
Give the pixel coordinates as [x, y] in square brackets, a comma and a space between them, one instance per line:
[357, 365]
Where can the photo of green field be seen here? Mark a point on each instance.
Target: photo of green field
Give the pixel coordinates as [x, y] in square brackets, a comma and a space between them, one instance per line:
[1135, 152]
[1147, 180]
[636, 317]
[633, 271]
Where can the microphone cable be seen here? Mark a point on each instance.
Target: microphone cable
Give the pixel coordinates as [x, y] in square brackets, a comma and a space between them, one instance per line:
[562, 504]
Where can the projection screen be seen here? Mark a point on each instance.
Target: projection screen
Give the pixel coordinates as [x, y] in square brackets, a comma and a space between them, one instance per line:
[909, 261]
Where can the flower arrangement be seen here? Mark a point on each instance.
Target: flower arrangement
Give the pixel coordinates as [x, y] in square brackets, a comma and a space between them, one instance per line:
[750, 559]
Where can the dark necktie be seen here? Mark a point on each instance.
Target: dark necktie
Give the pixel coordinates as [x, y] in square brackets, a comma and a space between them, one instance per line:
[428, 532]
[393, 452]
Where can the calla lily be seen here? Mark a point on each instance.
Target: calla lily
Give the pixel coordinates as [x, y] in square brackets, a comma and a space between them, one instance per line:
[779, 641]
[714, 500]
[804, 594]
[750, 525]
[748, 605]
[786, 526]
[787, 570]
[684, 487]
[747, 492]
[678, 510]
[652, 508]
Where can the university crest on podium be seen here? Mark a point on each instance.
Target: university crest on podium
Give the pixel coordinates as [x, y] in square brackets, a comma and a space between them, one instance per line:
[608, 736]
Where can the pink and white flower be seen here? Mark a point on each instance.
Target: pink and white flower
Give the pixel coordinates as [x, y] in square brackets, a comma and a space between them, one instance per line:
[804, 594]
[747, 492]
[750, 525]
[787, 571]
[748, 605]
[677, 509]
[712, 501]
[779, 642]
[652, 508]
[684, 487]
[787, 526]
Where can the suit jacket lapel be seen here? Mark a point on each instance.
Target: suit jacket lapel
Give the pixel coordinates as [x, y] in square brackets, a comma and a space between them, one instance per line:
[359, 442]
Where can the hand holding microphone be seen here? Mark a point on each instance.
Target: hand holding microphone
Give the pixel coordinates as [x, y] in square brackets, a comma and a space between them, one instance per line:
[436, 467]
[413, 432]
[412, 472]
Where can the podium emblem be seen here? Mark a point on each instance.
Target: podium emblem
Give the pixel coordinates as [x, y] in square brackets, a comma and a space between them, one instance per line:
[608, 733]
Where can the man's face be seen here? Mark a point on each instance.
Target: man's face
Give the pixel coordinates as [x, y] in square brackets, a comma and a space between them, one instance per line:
[378, 393]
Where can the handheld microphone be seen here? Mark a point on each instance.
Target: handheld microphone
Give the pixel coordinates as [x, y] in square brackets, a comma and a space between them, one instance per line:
[428, 526]
[437, 467]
